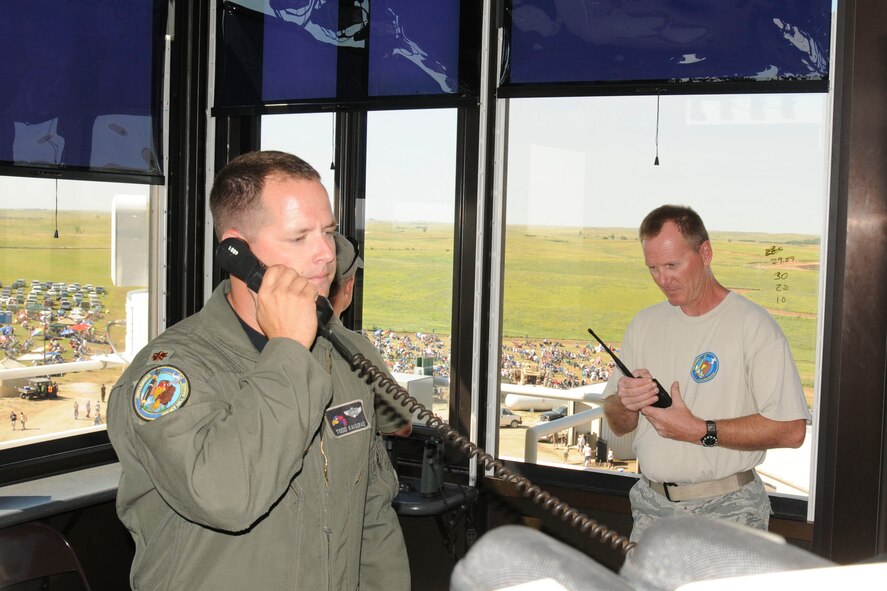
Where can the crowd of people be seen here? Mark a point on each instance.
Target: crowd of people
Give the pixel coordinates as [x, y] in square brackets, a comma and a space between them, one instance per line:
[92, 411]
[29, 332]
[558, 365]
[400, 350]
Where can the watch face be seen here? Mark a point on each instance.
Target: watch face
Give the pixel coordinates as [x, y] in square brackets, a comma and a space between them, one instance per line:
[709, 440]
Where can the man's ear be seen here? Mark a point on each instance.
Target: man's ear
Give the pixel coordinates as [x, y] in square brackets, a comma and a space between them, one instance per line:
[706, 252]
[348, 288]
[233, 233]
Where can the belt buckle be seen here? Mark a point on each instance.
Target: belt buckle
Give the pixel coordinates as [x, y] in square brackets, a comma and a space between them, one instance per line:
[665, 486]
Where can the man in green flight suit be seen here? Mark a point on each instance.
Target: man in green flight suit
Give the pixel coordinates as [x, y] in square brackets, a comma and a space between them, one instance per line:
[247, 444]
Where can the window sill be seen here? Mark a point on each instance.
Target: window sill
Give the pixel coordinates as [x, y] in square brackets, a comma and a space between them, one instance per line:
[42, 497]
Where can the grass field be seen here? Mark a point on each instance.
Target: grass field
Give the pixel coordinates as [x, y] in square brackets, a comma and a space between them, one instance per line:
[558, 281]
[81, 253]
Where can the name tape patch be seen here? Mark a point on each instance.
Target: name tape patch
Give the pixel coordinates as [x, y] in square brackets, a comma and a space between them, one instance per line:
[347, 418]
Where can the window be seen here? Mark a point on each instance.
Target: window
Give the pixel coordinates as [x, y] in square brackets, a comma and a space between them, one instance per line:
[408, 254]
[405, 224]
[309, 136]
[581, 176]
[73, 301]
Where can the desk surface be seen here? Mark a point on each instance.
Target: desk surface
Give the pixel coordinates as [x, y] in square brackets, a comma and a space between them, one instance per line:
[409, 501]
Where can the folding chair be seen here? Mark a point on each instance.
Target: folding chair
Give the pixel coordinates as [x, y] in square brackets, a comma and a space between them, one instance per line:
[37, 552]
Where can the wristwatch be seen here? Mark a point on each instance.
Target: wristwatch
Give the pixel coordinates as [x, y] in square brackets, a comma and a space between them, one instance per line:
[710, 439]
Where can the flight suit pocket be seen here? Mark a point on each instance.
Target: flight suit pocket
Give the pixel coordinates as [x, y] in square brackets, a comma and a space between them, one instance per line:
[381, 473]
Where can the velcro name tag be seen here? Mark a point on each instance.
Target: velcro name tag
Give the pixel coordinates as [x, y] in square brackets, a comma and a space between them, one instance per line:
[347, 418]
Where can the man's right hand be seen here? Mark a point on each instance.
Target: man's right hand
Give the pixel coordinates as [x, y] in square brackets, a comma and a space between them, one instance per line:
[637, 392]
[285, 306]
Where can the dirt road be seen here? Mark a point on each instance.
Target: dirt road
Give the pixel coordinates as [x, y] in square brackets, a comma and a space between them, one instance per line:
[47, 417]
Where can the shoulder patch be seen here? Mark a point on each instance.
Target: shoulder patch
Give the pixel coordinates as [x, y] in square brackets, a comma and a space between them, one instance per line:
[160, 391]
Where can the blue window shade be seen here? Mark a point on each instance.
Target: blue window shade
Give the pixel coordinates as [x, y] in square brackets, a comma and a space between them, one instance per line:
[300, 48]
[346, 52]
[414, 48]
[82, 88]
[667, 43]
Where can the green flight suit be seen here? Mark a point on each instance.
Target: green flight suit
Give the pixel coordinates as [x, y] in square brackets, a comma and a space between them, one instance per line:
[390, 416]
[253, 482]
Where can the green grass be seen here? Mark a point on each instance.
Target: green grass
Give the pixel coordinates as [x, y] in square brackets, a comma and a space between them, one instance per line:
[81, 253]
[408, 271]
[560, 281]
[557, 281]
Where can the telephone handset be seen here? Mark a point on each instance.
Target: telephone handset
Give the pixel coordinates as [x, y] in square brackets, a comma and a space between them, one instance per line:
[235, 257]
[664, 400]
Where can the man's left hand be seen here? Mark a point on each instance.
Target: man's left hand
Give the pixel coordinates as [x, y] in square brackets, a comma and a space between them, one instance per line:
[675, 422]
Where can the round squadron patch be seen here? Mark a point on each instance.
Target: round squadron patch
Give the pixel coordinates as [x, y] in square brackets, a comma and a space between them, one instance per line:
[705, 367]
[160, 391]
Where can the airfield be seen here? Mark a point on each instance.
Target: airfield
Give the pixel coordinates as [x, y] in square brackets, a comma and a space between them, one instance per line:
[557, 282]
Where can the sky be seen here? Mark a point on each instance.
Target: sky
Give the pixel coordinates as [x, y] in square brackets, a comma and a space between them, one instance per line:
[753, 162]
[28, 193]
[746, 163]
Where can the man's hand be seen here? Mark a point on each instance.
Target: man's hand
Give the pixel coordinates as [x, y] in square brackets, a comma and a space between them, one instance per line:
[675, 422]
[285, 306]
[632, 395]
[638, 392]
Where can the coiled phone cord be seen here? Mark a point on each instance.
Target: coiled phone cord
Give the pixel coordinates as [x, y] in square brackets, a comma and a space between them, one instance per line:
[367, 370]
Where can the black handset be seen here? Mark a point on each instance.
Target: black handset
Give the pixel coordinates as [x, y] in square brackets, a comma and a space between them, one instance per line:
[235, 257]
[664, 400]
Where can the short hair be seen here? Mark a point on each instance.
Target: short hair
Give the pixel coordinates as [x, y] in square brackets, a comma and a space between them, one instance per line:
[687, 221]
[236, 197]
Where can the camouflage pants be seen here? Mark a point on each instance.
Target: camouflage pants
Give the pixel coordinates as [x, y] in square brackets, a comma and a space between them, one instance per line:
[749, 506]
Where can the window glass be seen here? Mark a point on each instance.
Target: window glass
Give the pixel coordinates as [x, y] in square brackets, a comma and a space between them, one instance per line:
[582, 174]
[405, 225]
[73, 301]
[408, 254]
[309, 136]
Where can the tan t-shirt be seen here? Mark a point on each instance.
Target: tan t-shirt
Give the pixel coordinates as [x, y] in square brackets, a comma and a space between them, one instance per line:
[732, 362]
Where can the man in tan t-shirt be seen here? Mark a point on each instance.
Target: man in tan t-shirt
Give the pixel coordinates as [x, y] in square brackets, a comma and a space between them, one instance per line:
[734, 386]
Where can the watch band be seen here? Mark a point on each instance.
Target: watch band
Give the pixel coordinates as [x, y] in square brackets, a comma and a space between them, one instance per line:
[710, 439]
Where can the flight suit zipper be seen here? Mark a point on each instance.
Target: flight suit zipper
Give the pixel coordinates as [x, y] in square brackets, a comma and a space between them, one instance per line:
[326, 463]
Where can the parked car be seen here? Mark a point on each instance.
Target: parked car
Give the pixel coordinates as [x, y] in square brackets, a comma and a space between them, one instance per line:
[509, 419]
[39, 388]
[557, 412]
